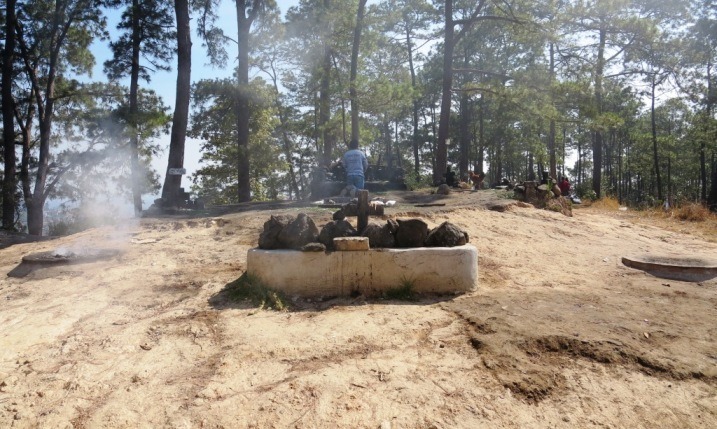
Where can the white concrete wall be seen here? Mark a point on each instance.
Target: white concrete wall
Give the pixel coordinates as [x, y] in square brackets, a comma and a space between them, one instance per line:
[429, 269]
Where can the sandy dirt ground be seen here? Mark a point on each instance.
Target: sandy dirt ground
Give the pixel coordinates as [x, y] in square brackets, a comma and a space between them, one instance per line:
[557, 334]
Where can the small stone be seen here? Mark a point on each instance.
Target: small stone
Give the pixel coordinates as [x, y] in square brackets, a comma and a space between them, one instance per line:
[313, 247]
[351, 243]
[385, 424]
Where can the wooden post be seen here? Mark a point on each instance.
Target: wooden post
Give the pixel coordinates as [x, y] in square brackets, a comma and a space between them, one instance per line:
[362, 222]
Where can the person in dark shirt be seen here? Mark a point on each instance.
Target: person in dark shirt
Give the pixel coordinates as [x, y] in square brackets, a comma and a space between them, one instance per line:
[450, 177]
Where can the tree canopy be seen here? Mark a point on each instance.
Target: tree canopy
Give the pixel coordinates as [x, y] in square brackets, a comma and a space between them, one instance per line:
[617, 96]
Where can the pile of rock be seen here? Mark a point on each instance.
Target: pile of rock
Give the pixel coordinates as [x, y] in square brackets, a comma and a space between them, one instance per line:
[544, 196]
[301, 233]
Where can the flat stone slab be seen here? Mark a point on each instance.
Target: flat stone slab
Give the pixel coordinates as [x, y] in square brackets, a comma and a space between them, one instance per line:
[351, 243]
[370, 272]
[674, 267]
[35, 261]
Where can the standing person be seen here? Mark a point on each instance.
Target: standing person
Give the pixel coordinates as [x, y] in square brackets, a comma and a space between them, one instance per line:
[564, 187]
[355, 164]
[450, 177]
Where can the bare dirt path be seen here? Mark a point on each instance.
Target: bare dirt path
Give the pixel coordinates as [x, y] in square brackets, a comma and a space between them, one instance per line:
[557, 334]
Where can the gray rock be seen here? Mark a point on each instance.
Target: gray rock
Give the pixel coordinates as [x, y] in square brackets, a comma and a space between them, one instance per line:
[339, 215]
[392, 225]
[299, 232]
[379, 236]
[446, 235]
[313, 247]
[334, 229]
[443, 189]
[411, 233]
[269, 237]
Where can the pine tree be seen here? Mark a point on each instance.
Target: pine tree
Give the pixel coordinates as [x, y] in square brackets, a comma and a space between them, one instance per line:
[147, 34]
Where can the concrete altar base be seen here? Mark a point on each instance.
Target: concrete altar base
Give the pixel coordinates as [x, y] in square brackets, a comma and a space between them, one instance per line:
[368, 272]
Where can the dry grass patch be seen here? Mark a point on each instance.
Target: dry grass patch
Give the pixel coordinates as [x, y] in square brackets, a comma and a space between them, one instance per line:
[691, 218]
[693, 212]
[605, 203]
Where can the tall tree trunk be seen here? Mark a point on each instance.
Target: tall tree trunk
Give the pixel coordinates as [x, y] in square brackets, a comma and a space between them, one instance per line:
[498, 144]
[172, 182]
[416, 106]
[712, 200]
[481, 134]
[244, 23]
[598, 142]
[579, 167]
[354, 71]
[133, 111]
[25, 157]
[551, 134]
[562, 155]
[434, 140]
[531, 166]
[35, 204]
[653, 121]
[324, 100]
[464, 135]
[669, 180]
[444, 121]
[397, 146]
[293, 184]
[703, 144]
[9, 185]
[389, 148]
[620, 183]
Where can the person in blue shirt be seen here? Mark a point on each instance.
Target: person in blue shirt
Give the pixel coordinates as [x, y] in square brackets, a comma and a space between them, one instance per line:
[356, 164]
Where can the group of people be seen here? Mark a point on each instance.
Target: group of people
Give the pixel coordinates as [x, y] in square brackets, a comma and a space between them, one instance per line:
[476, 177]
[355, 164]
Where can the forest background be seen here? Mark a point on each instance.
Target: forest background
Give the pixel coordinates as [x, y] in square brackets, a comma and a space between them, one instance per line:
[511, 87]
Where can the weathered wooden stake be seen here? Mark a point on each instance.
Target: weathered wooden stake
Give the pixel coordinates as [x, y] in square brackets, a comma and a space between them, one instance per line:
[362, 222]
